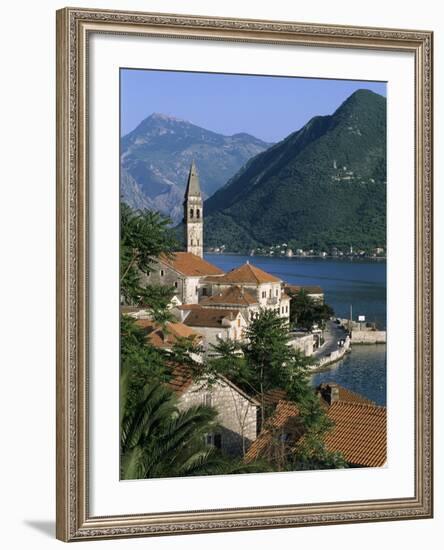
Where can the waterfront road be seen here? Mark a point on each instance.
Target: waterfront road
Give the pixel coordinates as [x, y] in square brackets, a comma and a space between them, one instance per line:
[332, 334]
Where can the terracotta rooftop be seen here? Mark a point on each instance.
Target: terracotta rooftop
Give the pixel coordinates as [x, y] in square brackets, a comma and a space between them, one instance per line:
[234, 295]
[190, 265]
[165, 339]
[285, 412]
[186, 307]
[360, 433]
[209, 317]
[246, 273]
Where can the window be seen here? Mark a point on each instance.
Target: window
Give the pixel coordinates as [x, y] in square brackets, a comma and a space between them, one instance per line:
[204, 292]
[269, 292]
[197, 213]
[207, 400]
[162, 272]
[282, 310]
[197, 242]
[191, 213]
[214, 440]
[176, 284]
[264, 294]
[192, 242]
[218, 441]
[277, 292]
[286, 309]
[238, 322]
[197, 290]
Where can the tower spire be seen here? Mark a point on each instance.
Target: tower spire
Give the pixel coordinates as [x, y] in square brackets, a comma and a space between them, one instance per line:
[193, 213]
[193, 185]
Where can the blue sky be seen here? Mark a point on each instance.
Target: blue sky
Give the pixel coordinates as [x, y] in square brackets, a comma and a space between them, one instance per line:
[267, 107]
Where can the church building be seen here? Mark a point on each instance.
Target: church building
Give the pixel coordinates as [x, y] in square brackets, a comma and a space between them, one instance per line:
[198, 282]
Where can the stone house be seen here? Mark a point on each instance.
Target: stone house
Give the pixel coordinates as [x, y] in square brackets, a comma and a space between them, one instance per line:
[182, 271]
[237, 412]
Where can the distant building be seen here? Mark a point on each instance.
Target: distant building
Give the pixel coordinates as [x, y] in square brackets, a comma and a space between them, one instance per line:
[214, 324]
[265, 287]
[184, 271]
[234, 297]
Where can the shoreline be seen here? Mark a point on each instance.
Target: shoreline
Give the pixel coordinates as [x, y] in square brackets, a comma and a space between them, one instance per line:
[297, 257]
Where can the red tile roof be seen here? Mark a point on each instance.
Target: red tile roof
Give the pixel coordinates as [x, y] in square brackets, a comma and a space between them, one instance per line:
[234, 295]
[165, 339]
[209, 317]
[190, 265]
[247, 273]
[360, 433]
[285, 412]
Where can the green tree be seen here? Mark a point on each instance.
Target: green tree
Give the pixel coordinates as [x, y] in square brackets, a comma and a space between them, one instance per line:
[306, 312]
[271, 362]
[157, 440]
[310, 452]
[144, 236]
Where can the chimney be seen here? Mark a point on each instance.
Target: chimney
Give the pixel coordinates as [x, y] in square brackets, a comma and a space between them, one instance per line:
[332, 393]
[329, 392]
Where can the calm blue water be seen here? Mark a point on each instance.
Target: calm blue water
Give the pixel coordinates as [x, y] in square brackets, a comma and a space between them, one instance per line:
[357, 283]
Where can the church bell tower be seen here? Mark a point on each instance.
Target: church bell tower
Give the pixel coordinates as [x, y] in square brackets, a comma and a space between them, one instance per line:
[193, 214]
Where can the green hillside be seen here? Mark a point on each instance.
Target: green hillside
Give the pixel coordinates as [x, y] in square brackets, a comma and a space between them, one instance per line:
[322, 186]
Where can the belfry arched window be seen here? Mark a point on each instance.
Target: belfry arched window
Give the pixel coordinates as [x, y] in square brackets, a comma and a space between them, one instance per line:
[197, 213]
[191, 213]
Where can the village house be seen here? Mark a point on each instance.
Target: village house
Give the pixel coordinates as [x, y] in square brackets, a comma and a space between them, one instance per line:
[266, 288]
[236, 425]
[214, 324]
[234, 297]
[237, 412]
[184, 272]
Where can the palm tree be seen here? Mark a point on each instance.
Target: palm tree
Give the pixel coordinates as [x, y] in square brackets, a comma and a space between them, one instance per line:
[158, 440]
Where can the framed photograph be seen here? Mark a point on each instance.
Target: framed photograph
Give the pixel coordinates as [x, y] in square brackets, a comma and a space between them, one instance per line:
[244, 274]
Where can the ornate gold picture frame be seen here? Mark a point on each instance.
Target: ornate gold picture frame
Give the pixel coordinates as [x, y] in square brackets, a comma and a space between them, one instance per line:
[74, 30]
